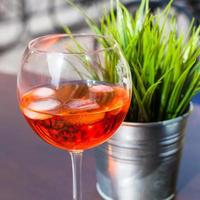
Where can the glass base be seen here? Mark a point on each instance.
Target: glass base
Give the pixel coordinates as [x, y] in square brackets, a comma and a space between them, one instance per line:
[105, 197]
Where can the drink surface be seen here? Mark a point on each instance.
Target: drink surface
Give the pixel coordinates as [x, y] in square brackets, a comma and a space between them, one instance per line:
[77, 115]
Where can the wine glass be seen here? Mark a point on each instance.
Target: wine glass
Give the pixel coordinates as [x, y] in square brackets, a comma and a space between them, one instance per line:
[74, 91]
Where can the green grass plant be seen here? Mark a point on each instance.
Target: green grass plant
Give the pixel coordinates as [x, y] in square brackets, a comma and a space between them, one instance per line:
[164, 64]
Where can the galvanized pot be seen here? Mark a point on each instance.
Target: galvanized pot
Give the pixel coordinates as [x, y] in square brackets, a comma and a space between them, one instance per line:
[141, 161]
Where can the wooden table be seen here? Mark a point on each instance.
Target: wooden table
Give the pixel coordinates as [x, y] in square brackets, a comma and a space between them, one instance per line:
[30, 169]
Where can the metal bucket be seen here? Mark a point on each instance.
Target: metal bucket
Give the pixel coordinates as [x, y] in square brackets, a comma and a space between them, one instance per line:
[141, 161]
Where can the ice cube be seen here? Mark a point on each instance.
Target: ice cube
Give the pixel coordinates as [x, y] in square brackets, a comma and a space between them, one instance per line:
[83, 104]
[66, 92]
[116, 107]
[101, 88]
[35, 115]
[43, 92]
[44, 105]
[84, 118]
[102, 94]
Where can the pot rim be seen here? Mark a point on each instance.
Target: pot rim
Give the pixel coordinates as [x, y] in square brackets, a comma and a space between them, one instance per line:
[165, 122]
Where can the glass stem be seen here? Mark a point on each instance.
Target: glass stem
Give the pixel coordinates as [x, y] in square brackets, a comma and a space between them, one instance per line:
[76, 158]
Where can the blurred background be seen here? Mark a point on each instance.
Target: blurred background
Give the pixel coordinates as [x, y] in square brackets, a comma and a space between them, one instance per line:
[22, 20]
